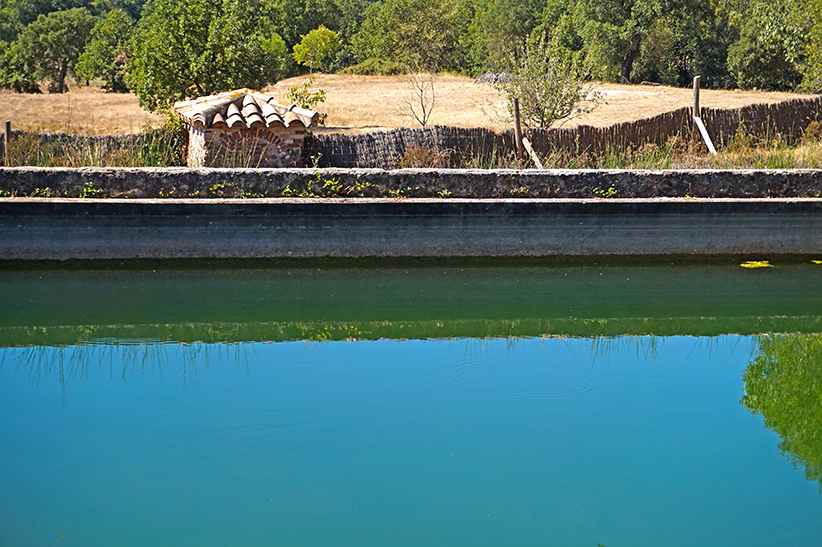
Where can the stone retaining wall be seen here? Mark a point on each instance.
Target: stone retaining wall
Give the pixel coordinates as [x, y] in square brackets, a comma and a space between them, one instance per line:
[448, 183]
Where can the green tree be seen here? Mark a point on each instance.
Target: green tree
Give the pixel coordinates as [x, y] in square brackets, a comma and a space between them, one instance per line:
[317, 48]
[783, 384]
[812, 48]
[199, 47]
[549, 80]
[613, 30]
[417, 33]
[278, 59]
[292, 19]
[754, 63]
[48, 48]
[104, 55]
[132, 8]
[505, 23]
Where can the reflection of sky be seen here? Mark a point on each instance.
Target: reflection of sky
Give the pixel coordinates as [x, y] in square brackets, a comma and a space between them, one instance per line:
[620, 441]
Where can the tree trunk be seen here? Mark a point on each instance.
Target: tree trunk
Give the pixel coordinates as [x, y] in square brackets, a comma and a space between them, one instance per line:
[61, 77]
[628, 63]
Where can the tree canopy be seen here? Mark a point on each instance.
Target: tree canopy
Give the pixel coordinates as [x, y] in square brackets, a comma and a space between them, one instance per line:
[422, 34]
[183, 49]
[105, 53]
[317, 48]
[199, 47]
[48, 48]
[548, 80]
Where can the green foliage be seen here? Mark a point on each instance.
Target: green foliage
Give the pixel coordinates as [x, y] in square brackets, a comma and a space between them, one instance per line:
[754, 64]
[783, 384]
[15, 15]
[416, 33]
[132, 8]
[89, 191]
[608, 193]
[164, 147]
[614, 30]
[548, 80]
[293, 19]
[812, 81]
[16, 73]
[276, 51]
[185, 49]
[104, 55]
[305, 96]
[47, 48]
[371, 67]
[504, 23]
[199, 47]
[317, 48]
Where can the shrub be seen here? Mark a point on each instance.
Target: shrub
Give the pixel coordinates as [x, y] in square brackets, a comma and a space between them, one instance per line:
[375, 67]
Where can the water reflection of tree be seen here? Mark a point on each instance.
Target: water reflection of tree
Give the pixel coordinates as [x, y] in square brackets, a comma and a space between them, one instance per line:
[783, 383]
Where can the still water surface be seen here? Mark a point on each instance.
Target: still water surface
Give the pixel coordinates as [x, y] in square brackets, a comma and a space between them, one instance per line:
[272, 412]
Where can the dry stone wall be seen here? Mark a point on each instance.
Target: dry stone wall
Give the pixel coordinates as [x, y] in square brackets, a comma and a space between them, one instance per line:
[404, 183]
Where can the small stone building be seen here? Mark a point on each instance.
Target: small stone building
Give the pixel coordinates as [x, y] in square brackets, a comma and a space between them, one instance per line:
[244, 128]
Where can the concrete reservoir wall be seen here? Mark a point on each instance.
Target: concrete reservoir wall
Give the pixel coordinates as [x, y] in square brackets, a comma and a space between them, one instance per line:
[102, 229]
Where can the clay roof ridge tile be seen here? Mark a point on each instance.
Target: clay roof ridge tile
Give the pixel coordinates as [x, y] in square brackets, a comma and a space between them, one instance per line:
[240, 106]
[233, 115]
[218, 121]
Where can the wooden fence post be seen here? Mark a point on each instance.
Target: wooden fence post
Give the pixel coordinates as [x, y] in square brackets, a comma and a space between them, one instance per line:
[517, 129]
[6, 141]
[699, 127]
[695, 110]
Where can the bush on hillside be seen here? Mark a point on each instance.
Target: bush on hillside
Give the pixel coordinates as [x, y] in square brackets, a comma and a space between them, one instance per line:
[375, 67]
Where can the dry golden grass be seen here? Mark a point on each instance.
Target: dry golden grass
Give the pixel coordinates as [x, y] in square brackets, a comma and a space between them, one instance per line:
[84, 110]
[363, 103]
[366, 103]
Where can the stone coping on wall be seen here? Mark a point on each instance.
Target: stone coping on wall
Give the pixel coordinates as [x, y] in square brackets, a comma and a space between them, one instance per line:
[410, 183]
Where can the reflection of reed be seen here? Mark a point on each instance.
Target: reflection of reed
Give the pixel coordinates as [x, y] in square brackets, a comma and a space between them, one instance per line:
[122, 358]
[602, 348]
[733, 343]
[322, 331]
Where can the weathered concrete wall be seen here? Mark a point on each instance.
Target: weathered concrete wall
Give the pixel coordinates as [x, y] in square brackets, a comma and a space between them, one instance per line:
[458, 183]
[60, 229]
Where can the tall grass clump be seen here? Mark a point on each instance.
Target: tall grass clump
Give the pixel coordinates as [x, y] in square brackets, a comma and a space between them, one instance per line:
[163, 147]
[744, 151]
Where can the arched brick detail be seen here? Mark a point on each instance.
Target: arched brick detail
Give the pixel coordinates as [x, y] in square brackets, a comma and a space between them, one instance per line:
[269, 147]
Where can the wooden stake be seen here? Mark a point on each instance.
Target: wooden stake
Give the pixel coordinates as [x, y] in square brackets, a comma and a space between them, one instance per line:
[695, 111]
[517, 129]
[6, 141]
[532, 153]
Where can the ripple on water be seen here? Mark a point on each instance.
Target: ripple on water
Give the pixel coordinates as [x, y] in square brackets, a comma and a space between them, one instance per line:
[527, 379]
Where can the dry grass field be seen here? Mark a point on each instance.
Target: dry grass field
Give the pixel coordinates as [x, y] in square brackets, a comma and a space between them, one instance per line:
[363, 103]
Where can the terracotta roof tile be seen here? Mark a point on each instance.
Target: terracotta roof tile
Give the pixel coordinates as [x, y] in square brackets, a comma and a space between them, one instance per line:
[243, 108]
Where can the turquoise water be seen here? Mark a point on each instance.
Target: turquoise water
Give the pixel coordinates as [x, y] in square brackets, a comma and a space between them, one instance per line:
[451, 406]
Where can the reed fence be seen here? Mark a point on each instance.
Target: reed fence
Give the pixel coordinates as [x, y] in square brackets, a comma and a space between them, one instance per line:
[386, 149]
[463, 147]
